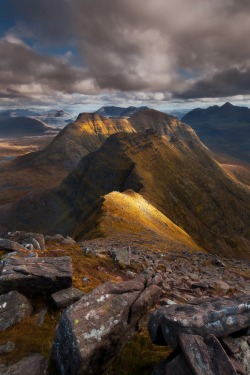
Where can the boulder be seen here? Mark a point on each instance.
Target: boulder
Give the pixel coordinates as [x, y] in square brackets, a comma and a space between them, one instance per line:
[33, 276]
[20, 236]
[6, 244]
[31, 243]
[177, 366]
[206, 355]
[64, 298]
[7, 348]
[122, 256]
[243, 354]
[220, 318]
[13, 308]
[35, 364]
[93, 330]
[68, 241]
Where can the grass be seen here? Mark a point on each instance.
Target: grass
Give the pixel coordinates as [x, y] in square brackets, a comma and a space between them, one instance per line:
[29, 338]
[138, 357]
[95, 269]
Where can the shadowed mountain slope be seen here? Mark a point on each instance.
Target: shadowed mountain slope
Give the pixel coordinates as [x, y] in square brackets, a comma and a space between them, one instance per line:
[22, 126]
[51, 164]
[76, 140]
[224, 129]
[173, 173]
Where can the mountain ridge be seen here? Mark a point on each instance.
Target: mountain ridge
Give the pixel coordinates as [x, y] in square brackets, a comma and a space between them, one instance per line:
[225, 129]
[175, 175]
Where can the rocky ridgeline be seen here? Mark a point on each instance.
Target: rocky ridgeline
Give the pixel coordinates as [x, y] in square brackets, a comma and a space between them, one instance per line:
[208, 332]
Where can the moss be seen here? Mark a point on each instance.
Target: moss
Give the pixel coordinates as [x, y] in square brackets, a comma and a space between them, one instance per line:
[138, 357]
[29, 338]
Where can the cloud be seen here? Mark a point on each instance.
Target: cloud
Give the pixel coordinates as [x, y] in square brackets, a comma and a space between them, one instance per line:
[231, 82]
[181, 48]
[26, 73]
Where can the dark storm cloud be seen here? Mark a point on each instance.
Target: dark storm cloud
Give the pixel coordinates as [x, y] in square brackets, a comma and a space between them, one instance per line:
[183, 47]
[231, 82]
[24, 72]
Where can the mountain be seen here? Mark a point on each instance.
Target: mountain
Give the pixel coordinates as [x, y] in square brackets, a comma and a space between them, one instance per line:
[112, 111]
[177, 181]
[225, 129]
[76, 140]
[22, 126]
[58, 118]
[19, 112]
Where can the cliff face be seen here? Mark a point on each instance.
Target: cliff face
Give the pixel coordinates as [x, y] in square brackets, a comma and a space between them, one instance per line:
[173, 173]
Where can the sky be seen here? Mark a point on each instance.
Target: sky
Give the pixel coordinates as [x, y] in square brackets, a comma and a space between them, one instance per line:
[87, 53]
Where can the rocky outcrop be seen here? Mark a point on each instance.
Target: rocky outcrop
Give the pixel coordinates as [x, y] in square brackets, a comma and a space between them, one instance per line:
[6, 244]
[21, 236]
[13, 308]
[220, 318]
[93, 330]
[64, 298]
[35, 364]
[202, 333]
[33, 276]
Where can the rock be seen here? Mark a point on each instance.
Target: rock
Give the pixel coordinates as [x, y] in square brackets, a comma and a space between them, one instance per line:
[122, 256]
[220, 318]
[6, 244]
[33, 276]
[243, 355]
[229, 344]
[41, 316]
[31, 243]
[20, 236]
[68, 241]
[177, 366]
[57, 238]
[90, 252]
[222, 285]
[206, 356]
[218, 263]
[64, 298]
[166, 301]
[157, 280]
[35, 364]
[13, 308]
[93, 330]
[7, 348]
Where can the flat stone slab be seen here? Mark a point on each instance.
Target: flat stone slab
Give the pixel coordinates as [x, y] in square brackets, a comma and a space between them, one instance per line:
[10, 245]
[93, 330]
[219, 318]
[13, 308]
[35, 364]
[33, 276]
[64, 298]
[206, 355]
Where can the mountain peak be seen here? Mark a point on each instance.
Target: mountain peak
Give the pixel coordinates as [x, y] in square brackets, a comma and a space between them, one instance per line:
[227, 105]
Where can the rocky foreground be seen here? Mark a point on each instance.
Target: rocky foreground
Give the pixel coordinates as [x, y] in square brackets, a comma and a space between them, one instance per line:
[195, 303]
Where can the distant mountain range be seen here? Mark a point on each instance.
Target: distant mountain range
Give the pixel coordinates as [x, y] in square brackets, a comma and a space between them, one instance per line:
[53, 117]
[156, 166]
[225, 129]
[22, 126]
[112, 111]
